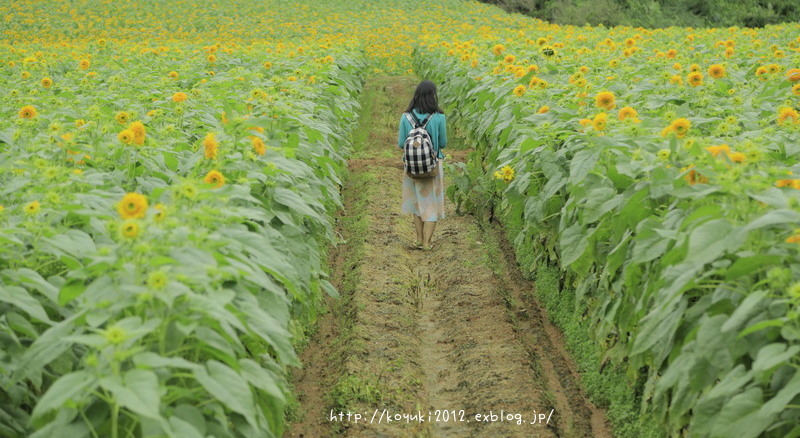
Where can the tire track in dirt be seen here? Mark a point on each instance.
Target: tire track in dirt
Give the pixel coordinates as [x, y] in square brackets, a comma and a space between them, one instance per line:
[430, 331]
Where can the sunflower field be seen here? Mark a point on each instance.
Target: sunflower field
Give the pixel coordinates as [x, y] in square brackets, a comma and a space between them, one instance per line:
[659, 170]
[168, 174]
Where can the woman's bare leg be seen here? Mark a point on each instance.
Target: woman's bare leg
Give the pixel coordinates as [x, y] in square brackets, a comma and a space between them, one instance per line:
[428, 228]
[419, 228]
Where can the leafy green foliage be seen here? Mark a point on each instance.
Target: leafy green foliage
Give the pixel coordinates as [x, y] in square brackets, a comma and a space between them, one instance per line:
[682, 256]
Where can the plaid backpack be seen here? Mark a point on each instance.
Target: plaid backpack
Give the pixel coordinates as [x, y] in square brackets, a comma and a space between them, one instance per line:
[419, 158]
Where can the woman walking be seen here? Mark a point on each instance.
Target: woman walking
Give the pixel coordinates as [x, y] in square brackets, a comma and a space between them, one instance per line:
[424, 197]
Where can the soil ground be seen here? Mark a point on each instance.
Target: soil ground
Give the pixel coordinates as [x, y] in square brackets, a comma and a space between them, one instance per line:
[448, 333]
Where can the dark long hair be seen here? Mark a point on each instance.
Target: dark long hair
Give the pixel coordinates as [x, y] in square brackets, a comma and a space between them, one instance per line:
[425, 100]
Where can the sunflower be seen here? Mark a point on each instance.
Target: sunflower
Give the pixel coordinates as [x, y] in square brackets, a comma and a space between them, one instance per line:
[32, 208]
[716, 71]
[628, 113]
[47, 82]
[694, 68]
[132, 206]
[84, 64]
[519, 90]
[210, 146]
[267, 65]
[543, 109]
[793, 183]
[761, 71]
[498, 49]
[729, 51]
[258, 146]
[122, 117]
[793, 239]
[211, 59]
[125, 136]
[161, 212]
[787, 113]
[681, 126]
[548, 51]
[599, 121]
[173, 74]
[510, 59]
[130, 229]
[675, 79]
[695, 79]
[27, 112]
[796, 89]
[737, 157]
[157, 280]
[793, 75]
[138, 132]
[774, 68]
[180, 96]
[215, 177]
[716, 150]
[693, 177]
[115, 334]
[672, 53]
[25, 75]
[605, 100]
[506, 173]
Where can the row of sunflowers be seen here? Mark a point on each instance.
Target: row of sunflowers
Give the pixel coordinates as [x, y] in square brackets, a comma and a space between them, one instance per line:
[657, 171]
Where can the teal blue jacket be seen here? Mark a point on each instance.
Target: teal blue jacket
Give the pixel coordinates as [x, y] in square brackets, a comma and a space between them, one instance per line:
[437, 128]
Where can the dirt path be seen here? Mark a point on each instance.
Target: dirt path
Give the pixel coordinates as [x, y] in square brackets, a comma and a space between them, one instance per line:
[449, 333]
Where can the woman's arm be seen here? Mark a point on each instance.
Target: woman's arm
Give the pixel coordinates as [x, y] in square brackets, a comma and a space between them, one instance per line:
[403, 133]
[443, 133]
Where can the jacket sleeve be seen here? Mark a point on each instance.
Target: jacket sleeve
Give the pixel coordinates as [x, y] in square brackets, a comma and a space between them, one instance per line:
[403, 132]
[443, 133]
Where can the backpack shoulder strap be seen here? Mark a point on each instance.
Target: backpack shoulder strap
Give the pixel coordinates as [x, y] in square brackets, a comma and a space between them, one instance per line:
[428, 119]
[412, 120]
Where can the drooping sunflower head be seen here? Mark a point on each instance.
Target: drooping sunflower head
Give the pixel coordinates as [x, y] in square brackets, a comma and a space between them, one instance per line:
[258, 146]
[548, 51]
[210, 146]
